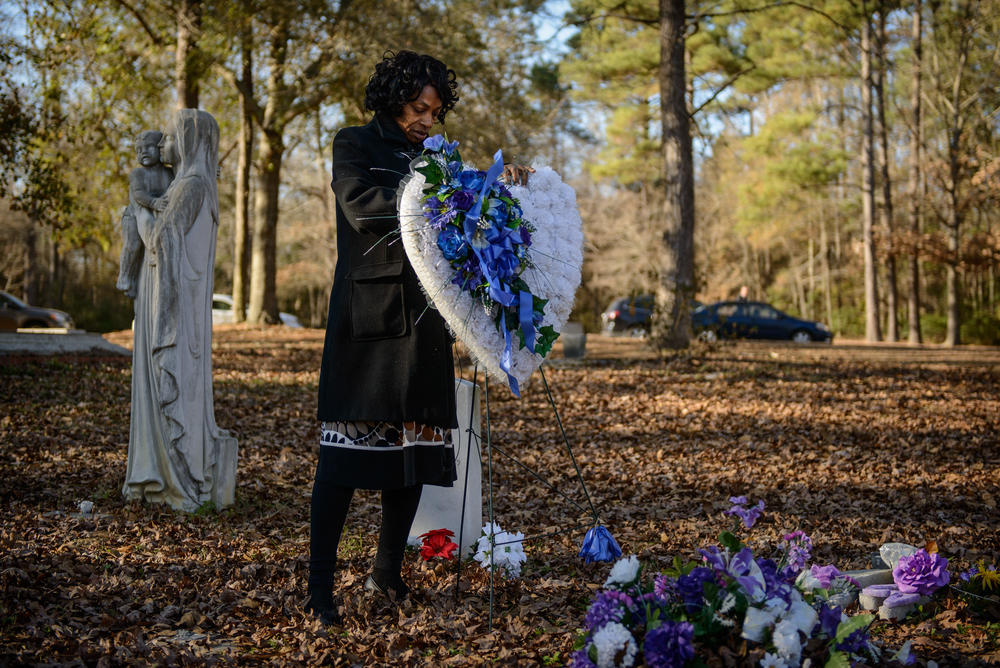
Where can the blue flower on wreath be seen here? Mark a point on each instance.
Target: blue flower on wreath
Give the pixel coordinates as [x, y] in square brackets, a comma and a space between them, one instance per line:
[472, 179]
[434, 143]
[452, 244]
[497, 210]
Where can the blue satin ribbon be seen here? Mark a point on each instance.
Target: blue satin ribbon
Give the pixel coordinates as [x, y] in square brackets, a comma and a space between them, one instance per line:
[524, 312]
[505, 358]
[487, 258]
[492, 174]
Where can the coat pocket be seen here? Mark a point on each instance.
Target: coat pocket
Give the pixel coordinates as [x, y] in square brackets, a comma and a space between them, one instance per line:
[377, 306]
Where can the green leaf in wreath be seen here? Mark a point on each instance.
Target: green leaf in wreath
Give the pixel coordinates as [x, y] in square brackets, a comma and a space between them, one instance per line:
[431, 171]
[547, 336]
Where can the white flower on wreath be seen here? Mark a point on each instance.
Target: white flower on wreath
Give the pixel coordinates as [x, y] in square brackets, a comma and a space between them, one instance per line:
[613, 640]
[508, 547]
[623, 573]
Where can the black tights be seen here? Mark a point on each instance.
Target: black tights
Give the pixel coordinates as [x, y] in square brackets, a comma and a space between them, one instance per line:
[330, 504]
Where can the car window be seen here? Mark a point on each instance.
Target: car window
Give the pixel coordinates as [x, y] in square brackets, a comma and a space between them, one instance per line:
[763, 312]
[10, 301]
[645, 302]
[726, 310]
[221, 306]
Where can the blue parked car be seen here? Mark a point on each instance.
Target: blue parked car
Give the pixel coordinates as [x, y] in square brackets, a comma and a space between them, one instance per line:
[754, 320]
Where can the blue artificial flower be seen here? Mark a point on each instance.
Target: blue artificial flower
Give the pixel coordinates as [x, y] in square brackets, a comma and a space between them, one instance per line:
[496, 210]
[669, 645]
[452, 244]
[599, 545]
[472, 179]
[449, 147]
[434, 142]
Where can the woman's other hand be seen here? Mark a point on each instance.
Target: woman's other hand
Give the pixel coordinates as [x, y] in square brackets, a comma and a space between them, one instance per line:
[517, 175]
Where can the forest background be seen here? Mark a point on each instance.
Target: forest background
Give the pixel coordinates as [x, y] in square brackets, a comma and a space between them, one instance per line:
[842, 153]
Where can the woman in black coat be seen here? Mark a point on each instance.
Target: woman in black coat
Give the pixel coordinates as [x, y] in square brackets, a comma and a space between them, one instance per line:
[386, 386]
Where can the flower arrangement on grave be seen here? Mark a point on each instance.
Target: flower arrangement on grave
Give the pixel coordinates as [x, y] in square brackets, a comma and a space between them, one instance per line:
[500, 551]
[481, 250]
[785, 610]
[437, 544]
[980, 586]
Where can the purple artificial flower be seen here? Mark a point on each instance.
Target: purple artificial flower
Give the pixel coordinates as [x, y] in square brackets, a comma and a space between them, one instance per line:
[740, 567]
[580, 659]
[434, 142]
[462, 200]
[691, 587]
[854, 643]
[829, 619]
[608, 606]
[669, 645]
[825, 574]
[777, 583]
[797, 547]
[969, 574]
[921, 573]
[748, 515]
[664, 587]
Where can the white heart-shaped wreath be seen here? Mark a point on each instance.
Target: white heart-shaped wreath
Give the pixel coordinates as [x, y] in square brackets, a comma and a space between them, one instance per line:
[556, 254]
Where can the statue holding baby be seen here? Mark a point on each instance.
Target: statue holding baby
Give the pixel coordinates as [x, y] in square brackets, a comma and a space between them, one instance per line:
[177, 454]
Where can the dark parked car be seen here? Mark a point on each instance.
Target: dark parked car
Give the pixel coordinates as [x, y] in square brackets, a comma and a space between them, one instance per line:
[632, 315]
[628, 315]
[15, 314]
[754, 320]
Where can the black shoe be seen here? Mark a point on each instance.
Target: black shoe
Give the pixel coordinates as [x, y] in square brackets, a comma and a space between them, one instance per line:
[396, 591]
[327, 615]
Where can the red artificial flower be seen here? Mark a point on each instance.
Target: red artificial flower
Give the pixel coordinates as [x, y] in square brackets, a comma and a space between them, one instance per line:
[437, 544]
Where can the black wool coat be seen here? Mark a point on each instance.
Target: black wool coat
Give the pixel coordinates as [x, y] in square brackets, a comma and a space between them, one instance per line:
[379, 362]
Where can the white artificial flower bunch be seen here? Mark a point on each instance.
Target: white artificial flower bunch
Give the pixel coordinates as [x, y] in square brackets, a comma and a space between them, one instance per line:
[625, 572]
[508, 548]
[615, 646]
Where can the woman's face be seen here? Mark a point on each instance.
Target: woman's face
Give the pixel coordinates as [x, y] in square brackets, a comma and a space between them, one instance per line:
[168, 150]
[420, 114]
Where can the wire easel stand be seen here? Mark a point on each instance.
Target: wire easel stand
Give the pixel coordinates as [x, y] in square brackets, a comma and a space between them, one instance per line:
[472, 436]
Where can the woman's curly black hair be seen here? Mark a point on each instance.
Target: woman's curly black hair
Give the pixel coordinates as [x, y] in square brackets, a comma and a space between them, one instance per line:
[401, 76]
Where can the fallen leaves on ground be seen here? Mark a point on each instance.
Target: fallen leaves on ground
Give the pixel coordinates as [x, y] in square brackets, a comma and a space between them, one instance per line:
[855, 445]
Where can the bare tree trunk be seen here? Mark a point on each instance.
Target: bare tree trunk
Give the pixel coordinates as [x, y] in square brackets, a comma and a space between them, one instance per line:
[916, 145]
[672, 327]
[873, 331]
[29, 290]
[892, 294]
[186, 70]
[263, 263]
[263, 257]
[241, 249]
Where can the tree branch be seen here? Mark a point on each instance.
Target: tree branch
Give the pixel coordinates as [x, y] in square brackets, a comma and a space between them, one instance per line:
[775, 5]
[157, 40]
[723, 87]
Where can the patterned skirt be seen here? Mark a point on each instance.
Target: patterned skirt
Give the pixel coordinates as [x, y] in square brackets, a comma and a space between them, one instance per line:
[385, 455]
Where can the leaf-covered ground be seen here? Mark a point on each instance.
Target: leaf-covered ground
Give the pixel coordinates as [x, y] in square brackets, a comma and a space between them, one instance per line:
[855, 445]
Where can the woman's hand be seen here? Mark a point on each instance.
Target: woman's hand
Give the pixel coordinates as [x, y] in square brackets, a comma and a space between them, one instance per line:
[517, 175]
